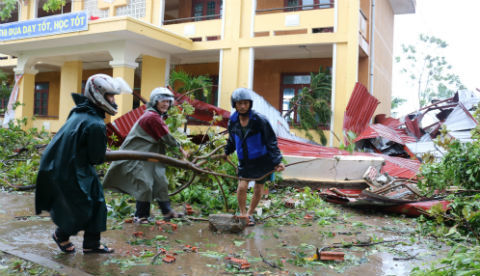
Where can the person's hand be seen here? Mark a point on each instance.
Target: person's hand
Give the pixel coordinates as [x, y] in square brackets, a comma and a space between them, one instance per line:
[280, 167]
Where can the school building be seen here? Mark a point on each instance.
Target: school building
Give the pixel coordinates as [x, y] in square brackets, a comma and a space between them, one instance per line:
[270, 46]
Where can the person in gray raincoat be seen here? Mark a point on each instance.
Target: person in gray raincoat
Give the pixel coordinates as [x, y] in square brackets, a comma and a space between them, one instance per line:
[67, 184]
[146, 181]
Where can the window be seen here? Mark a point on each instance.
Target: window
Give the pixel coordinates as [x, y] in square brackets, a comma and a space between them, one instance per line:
[40, 106]
[65, 9]
[3, 104]
[13, 15]
[291, 85]
[296, 5]
[206, 9]
[135, 8]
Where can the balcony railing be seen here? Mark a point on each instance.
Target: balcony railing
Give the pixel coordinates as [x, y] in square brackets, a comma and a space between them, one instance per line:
[295, 8]
[192, 19]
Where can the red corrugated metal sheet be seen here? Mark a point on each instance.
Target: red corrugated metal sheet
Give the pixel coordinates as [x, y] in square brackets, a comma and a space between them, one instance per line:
[400, 167]
[412, 126]
[122, 125]
[125, 123]
[378, 130]
[290, 147]
[388, 121]
[204, 111]
[360, 109]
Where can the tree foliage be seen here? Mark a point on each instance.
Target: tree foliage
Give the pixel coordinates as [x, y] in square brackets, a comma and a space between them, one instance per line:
[8, 6]
[199, 86]
[396, 103]
[5, 88]
[313, 104]
[427, 70]
[53, 5]
[460, 168]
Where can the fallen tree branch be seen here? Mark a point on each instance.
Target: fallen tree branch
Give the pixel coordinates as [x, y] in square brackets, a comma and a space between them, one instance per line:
[225, 200]
[196, 219]
[277, 216]
[268, 262]
[18, 188]
[184, 186]
[363, 244]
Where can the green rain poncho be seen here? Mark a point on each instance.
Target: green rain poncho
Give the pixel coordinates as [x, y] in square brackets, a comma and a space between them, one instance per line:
[67, 183]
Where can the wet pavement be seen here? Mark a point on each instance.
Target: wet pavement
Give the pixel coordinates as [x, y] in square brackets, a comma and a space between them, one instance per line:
[287, 245]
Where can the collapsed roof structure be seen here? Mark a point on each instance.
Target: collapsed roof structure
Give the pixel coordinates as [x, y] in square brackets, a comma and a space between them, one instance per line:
[413, 135]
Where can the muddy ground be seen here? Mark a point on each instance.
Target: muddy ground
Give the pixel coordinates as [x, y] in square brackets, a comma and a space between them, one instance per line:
[285, 249]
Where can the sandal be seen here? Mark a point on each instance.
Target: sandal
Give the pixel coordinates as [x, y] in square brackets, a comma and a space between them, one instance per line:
[65, 247]
[251, 221]
[138, 220]
[172, 215]
[103, 249]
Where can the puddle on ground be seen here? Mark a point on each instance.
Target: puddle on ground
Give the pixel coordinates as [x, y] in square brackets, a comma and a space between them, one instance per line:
[33, 235]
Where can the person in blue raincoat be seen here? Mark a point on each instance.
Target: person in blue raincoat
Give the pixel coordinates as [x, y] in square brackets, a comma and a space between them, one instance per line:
[252, 136]
[67, 184]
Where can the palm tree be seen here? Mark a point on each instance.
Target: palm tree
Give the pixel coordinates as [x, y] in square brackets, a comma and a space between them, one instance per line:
[313, 105]
[200, 87]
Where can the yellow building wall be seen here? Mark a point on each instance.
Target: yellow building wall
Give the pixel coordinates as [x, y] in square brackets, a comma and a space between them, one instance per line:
[53, 78]
[383, 47]
[87, 73]
[203, 29]
[307, 19]
[363, 71]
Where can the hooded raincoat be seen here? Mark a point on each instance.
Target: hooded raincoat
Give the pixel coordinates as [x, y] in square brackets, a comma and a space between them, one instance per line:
[145, 181]
[67, 183]
[256, 145]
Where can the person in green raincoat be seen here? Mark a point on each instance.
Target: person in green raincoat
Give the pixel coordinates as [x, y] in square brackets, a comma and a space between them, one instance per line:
[146, 181]
[67, 184]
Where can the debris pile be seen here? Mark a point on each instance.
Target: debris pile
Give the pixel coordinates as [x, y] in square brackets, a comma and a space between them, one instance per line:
[412, 136]
[386, 193]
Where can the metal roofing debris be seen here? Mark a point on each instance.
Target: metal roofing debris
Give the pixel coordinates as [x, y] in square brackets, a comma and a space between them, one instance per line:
[379, 130]
[360, 109]
[390, 136]
[414, 137]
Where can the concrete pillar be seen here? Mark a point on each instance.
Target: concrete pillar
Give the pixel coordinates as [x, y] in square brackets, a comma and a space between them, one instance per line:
[70, 82]
[26, 91]
[26, 10]
[235, 70]
[124, 63]
[346, 63]
[235, 62]
[124, 101]
[153, 74]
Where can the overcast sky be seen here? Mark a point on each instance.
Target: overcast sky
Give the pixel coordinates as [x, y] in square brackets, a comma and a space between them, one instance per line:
[454, 21]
